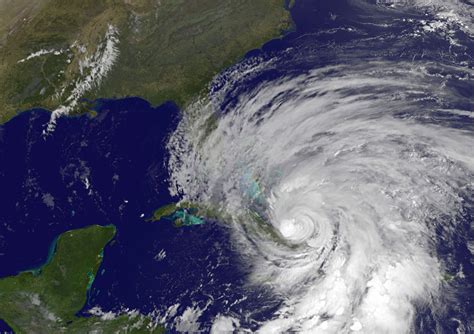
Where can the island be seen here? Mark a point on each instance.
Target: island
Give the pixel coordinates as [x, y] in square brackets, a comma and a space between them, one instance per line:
[47, 299]
[183, 214]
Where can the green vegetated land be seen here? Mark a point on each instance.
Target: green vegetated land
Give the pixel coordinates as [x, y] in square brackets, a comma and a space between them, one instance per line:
[159, 49]
[182, 214]
[186, 214]
[190, 214]
[46, 300]
[55, 52]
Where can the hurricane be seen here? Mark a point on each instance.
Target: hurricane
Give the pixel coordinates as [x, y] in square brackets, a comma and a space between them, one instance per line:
[347, 177]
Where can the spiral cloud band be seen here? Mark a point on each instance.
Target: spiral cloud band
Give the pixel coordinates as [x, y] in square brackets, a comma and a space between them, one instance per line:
[339, 183]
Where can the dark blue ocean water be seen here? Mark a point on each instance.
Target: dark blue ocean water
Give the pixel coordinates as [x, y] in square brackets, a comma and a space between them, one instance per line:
[110, 169]
[45, 190]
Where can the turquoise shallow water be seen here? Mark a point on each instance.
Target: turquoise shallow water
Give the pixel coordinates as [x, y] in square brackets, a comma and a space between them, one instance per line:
[122, 155]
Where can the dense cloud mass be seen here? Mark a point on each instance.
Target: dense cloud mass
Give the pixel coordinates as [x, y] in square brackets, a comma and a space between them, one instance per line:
[340, 182]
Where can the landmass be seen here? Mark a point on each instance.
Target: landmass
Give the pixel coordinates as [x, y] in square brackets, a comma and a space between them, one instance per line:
[47, 299]
[60, 55]
[54, 53]
[183, 214]
[188, 214]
